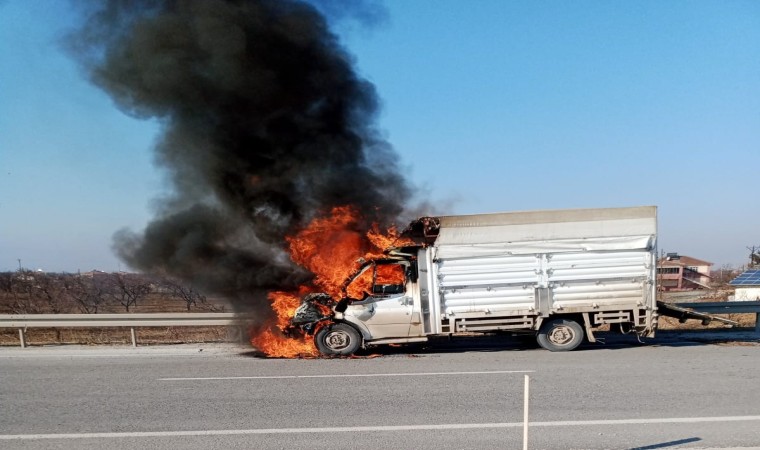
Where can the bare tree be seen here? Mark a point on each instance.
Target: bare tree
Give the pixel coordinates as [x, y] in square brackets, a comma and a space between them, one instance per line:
[187, 293]
[87, 293]
[754, 256]
[39, 293]
[50, 291]
[21, 287]
[6, 282]
[128, 289]
[7, 291]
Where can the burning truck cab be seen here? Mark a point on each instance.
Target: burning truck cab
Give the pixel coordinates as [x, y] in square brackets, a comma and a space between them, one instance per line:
[376, 304]
[557, 274]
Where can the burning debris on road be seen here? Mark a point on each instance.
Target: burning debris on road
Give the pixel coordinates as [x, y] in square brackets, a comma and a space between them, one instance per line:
[280, 180]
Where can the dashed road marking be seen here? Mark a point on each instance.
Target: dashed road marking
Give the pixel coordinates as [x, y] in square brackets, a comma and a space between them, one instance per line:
[350, 375]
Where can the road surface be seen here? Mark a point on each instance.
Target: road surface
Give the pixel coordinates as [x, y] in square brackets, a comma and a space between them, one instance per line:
[668, 395]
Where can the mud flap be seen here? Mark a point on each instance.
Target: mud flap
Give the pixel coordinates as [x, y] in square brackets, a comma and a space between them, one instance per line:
[589, 332]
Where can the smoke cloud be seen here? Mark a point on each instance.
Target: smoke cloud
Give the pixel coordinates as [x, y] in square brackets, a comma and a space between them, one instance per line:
[265, 125]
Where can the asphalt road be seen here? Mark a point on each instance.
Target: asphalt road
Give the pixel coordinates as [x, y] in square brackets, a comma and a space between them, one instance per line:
[666, 395]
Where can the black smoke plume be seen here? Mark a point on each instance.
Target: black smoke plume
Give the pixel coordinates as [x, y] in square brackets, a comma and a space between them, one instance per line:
[265, 125]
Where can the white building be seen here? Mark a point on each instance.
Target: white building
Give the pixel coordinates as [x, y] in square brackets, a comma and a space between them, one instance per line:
[747, 285]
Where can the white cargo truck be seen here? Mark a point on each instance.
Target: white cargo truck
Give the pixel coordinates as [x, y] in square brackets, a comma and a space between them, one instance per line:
[556, 274]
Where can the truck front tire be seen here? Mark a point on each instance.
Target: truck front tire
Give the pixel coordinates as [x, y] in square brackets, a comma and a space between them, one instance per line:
[560, 335]
[338, 339]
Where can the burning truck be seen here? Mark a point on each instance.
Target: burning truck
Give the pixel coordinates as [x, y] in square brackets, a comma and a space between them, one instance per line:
[279, 179]
[558, 275]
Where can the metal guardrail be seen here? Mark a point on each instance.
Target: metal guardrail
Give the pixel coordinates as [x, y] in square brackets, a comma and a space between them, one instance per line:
[24, 321]
[737, 307]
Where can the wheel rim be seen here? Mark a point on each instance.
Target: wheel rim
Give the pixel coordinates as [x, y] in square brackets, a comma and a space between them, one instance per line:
[337, 340]
[561, 335]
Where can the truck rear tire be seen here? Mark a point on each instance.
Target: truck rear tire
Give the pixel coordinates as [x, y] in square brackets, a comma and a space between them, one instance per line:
[338, 339]
[560, 335]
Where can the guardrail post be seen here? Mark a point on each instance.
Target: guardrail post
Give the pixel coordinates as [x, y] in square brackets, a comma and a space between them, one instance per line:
[134, 336]
[22, 337]
[757, 323]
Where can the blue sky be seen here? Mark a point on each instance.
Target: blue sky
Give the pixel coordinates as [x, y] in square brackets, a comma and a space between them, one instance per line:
[492, 105]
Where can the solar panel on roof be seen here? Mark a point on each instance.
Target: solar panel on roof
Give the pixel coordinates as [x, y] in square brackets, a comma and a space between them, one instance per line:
[748, 278]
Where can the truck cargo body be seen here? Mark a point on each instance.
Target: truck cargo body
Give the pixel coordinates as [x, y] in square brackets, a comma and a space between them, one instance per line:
[558, 274]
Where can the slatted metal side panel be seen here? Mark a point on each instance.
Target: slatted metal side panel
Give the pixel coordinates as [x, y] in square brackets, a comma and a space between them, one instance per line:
[614, 278]
[488, 284]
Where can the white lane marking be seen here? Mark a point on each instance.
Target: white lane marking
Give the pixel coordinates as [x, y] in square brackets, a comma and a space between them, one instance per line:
[450, 426]
[349, 375]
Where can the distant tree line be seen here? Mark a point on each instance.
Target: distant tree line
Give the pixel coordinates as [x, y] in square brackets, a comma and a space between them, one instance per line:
[724, 274]
[28, 292]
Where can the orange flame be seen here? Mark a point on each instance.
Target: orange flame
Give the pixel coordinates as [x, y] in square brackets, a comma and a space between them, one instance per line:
[271, 340]
[332, 248]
